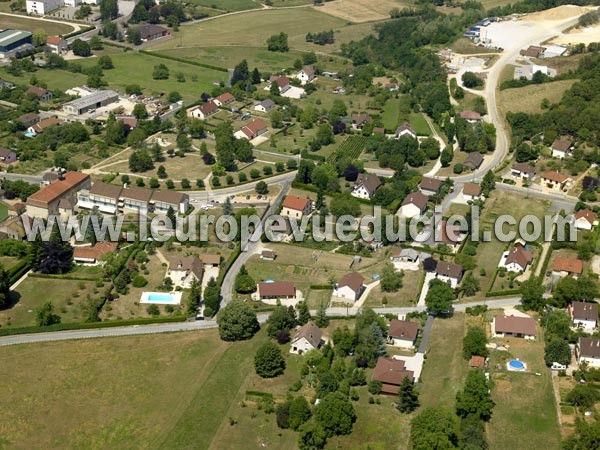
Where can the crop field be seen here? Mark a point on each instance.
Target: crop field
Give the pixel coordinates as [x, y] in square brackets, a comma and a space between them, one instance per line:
[34, 25]
[528, 99]
[351, 148]
[228, 5]
[362, 10]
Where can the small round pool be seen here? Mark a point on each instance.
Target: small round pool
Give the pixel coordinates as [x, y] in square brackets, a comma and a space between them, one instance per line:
[516, 365]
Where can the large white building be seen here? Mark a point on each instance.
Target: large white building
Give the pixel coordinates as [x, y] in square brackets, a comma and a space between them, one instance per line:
[42, 7]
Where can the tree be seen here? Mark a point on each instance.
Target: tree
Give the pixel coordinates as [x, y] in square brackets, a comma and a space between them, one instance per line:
[433, 428]
[274, 89]
[244, 283]
[139, 111]
[95, 41]
[488, 184]
[321, 320]
[470, 80]
[281, 319]
[311, 436]
[475, 398]
[4, 287]
[278, 43]
[173, 97]
[225, 145]
[532, 295]
[473, 434]
[241, 73]
[109, 10]
[53, 256]
[408, 398]
[557, 350]
[269, 361]
[583, 396]
[276, 119]
[557, 324]
[324, 134]
[299, 412]
[335, 414]
[586, 437]
[161, 172]
[439, 298]
[474, 342]
[45, 315]
[262, 188]
[140, 161]
[81, 48]
[391, 280]
[303, 313]
[470, 285]
[160, 72]
[255, 77]
[341, 206]
[237, 322]
[105, 62]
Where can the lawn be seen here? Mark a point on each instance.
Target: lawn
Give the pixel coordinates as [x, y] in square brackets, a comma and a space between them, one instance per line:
[445, 368]
[525, 409]
[419, 124]
[405, 296]
[228, 5]
[3, 212]
[363, 10]
[528, 99]
[8, 261]
[33, 25]
[55, 79]
[67, 296]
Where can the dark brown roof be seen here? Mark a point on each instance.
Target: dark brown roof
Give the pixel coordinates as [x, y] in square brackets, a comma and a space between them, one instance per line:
[416, 198]
[431, 184]
[311, 333]
[353, 280]
[43, 124]
[533, 51]
[472, 189]
[370, 182]
[294, 202]
[514, 325]
[448, 269]
[360, 119]
[211, 258]
[555, 176]
[402, 329]
[404, 127]
[278, 289]
[171, 197]
[585, 310]
[5, 152]
[520, 256]
[269, 254]
[225, 98]
[37, 91]
[571, 265]
[137, 193]
[391, 373]
[586, 214]
[187, 264]
[589, 347]
[209, 108]
[28, 118]
[474, 160]
[106, 190]
[561, 145]
[524, 168]
[149, 29]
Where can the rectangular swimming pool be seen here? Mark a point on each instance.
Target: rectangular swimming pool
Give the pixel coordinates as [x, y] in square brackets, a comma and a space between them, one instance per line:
[161, 298]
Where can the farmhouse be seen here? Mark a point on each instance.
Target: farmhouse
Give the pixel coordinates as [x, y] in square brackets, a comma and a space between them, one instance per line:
[265, 106]
[295, 207]
[308, 337]
[57, 45]
[471, 191]
[449, 273]
[430, 186]
[413, 205]
[366, 185]
[224, 99]
[554, 180]
[184, 270]
[349, 288]
[562, 267]
[405, 130]
[391, 373]
[561, 149]
[282, 290]
[517, 259]
[40, 126]
[584, 315]
[470, 116]
[403, 333]
[282, 82]
[252, 129]
[150, 32]
[588, 350]
[473, 161]
[92, 255]
[583, 219]
[204, 111]
[7, 157]
[90, 102]
[46, 201]
[360, 120]
[39, 92]
[511, 326]
[523, 171]
[306, 74]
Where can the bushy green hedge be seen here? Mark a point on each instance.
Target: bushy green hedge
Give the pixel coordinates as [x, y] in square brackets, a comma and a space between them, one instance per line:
[183, 60]
[503, 293]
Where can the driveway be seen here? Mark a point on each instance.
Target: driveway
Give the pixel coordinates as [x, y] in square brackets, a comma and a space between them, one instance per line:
[428, 277]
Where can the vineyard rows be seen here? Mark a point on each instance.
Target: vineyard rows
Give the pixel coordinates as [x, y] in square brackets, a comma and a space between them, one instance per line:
[351, 148]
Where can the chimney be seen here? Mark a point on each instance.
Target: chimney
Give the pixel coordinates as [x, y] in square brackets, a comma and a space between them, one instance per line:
[59, 174]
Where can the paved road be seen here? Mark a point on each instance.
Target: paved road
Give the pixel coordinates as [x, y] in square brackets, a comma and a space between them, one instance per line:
[425, 335]
[33, 179]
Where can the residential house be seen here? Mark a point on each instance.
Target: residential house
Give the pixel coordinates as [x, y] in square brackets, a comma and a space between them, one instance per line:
[470, 116]
[366, 185]
[562, 267]
[449, 273]
[306, 74]
[295, 207]
[413, 205]
[204, 111]
[184, 270]
[28, 119]
[128, 121]
[92, 255]
[162, 201]
[308, 337]
[554, 180]
[523, 170]
[449, 235]
[253, 129]
[430, 186]
[349, 288]
[405, 255]
[473, 161]
[405, 130]
[265, 106]
[282, 82]
[41, 93]
[7, 157]
[403, 333]
[57, 45]
[210, 260]
[102, 196]
[151, 32]
[224, 99]
[360, 120]
[391, 373]
[588, 350]
[583, 219]
[512, 326]
[40, 126]
[45, 202]
[584, 315]
[135, 199]
[561, 149]
[282, 290]
[517, 259]
[268, 255]
[471, 191]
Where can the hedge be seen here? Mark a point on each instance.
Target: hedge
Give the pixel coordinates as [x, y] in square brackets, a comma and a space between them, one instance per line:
[503, 293]
[183, 60]
[78, 32]
[66, 277]
[321, 287]
[17, 271]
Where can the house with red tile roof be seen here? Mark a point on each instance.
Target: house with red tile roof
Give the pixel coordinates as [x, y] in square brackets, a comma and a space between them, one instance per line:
[46, 201]
[296, 207]
[252, 129]
[224, 99]
[584, 219]
[562, 267]
[57, 45]
[204, 111]
[39, 127]
[92, 255]
[391, 373]
[282, 290]
[554, 180]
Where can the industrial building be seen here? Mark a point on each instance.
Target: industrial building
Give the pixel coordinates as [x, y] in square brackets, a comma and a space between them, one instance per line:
[12, 41]
[90, 102]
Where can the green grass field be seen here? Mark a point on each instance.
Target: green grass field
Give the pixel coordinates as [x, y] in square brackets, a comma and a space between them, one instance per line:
[34, 25]
[3, 211]
[227, 5]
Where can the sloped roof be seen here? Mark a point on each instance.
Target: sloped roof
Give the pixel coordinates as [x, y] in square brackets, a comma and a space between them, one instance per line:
[45, 123]
[311, 333]
[416, 198]
[225, 97]
[470, 115]
[448, 269]
[391, 372]
[54, 40]
[589, 347]
[36, 90]
[370, 182]
[431, 184]
[403, 329]
[514, 325]
[477, 362]
[170, 197]
[524, 168]
[295, 202]
[209, 107]
[585, 310]
[586, 214]
[56, 189]
[474, 160]
[561, 145]
[278, 289]
[518, 255]
[472, 189]
[555, 176]
[211, 258]
[187, 264]
[571, 265]
[95, 252]
[353, 280]
[106, 190]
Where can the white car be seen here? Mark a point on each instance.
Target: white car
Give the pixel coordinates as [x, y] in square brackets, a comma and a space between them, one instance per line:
[558, 366]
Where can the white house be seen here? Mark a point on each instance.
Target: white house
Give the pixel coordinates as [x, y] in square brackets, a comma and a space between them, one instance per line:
[265, 106]
[307, 338]
[555, 180]
[349, 288]
[471, 191]
[584, 315]
[403, 333]
[449, 273]
[517, 259]
[41, 7]
[204, 111]
[184, 270]
[306, 74]
[366, 185]
[405, 130]
[588, 350]
[512, 326]
[415, 204]
[585, 219]
[561, 149]
[523, 171]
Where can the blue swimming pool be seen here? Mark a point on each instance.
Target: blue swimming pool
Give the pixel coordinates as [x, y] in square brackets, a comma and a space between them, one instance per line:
[516, 365]
[161, 298]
